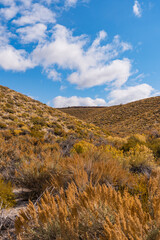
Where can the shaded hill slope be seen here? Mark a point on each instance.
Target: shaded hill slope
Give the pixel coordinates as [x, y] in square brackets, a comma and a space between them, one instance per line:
[137, 117]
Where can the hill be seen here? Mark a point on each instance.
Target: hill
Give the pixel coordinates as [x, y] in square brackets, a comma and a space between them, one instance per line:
[137, 117]
[22, 115]
[62, 178]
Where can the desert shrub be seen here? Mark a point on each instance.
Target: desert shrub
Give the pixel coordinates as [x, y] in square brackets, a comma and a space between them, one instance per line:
[113, 152]
[96, 166]
[117, 141]
[154, 145]
[35, 173]
[67, 144]
[36, 132]
[140, 137]
[6, 194]
[17, 132]
[82, 147]
[58, 131]
[95, 213]
[38, 121]
[25, 130]
[131, 143]
[3, 125]
[140, 158]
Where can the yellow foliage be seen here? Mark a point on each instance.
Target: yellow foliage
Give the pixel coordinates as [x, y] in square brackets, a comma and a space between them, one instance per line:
[117, 141]
[6, 195]
[140, 137]
[17, 132]
[140, 155]
[82, 147]
[96, 213]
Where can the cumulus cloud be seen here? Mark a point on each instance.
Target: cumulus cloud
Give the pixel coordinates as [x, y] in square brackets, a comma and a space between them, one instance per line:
[13, 59]
[60, 101]
[33, 33]
[137, 9]
[4, 35]
[9, 12]
[36, 14]
[54, 75]
[130, 94]
[89, 67]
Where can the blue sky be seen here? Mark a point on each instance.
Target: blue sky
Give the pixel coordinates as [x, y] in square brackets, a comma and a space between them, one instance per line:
[80, 52]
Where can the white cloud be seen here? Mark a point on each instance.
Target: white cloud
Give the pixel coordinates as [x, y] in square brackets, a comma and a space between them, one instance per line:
[4, 35]
[130, 94]
[60, 101]
[36, 14]
[33, 33]
[90, 67]
[70, 3]
[137, 9]
[117, 72]
[9, 12]
[7, 2]
[13, 59]
[54, 75]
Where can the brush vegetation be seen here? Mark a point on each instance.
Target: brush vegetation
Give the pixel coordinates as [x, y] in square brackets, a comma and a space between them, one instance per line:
[83, 182]
[122, 120]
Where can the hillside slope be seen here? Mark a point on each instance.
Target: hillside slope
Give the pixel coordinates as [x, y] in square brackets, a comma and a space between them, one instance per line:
[80, 180]
[21, 115]
[137, 117]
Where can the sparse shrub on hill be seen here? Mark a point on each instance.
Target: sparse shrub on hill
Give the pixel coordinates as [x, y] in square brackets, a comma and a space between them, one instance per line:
[38, 121]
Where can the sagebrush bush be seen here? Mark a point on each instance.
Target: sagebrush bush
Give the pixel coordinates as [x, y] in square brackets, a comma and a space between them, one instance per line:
[131, 143]
[154, 144]
[6, 195]
[82, 147]
[140, 156]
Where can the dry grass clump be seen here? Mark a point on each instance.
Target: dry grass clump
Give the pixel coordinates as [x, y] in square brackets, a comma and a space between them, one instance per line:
[35, 173]
[96, 213]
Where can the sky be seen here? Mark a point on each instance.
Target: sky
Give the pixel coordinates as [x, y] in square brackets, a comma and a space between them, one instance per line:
[81, 52]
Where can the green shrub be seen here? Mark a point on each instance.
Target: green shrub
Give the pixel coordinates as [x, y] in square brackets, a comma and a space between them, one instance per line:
[6, 194]
[131, 143]
[154, 145]
[38, 121]
[36, 132]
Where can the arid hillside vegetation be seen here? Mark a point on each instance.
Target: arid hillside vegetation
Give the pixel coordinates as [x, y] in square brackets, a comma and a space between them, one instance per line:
[137, 117]
[80, 182]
